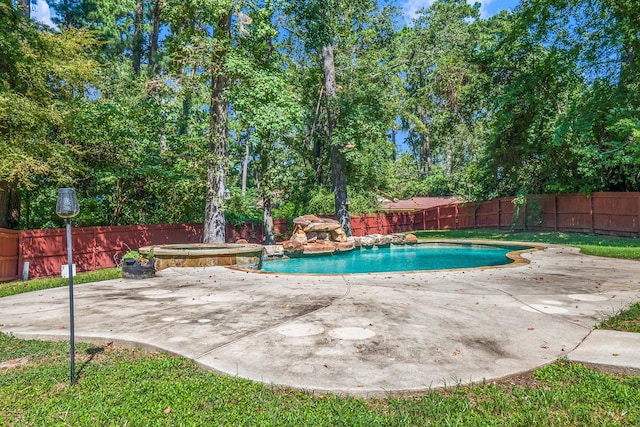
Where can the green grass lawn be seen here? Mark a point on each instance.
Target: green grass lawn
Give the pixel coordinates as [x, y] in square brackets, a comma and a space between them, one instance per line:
[118, 387]
[625, 321]
[20, 286]
[615, 247]
[136, 388]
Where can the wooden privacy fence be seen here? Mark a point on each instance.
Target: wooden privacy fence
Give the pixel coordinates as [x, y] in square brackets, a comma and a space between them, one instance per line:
[362, 225]
[8, 254]
[101, 247]
[41, 253]
[600, 213]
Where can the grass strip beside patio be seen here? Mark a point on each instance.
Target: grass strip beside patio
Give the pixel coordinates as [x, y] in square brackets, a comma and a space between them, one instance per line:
[21, 286]
[131, 387]
[589, 244]
[626, 320]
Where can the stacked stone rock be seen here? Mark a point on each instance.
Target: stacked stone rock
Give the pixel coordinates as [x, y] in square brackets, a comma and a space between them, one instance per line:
[310, 228]
[313, 235]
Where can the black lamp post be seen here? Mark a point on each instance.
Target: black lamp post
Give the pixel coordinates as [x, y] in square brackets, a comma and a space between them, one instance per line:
[67, 207]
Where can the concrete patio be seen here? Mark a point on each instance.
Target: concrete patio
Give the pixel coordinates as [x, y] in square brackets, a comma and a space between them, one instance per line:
[371, 334]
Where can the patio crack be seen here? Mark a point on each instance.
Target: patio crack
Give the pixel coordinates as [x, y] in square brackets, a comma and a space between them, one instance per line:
[542, 312]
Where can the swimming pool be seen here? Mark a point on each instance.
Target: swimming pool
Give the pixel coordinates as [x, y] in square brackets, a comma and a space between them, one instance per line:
[424, 256]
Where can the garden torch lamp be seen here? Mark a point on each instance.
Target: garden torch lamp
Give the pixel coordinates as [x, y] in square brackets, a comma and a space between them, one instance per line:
[67, 207]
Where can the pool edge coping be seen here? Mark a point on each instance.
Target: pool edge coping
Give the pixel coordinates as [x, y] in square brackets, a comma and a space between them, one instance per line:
[515, 256]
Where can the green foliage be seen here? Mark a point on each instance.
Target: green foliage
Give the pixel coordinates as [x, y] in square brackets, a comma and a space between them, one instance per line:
[42, 76]
[240, 209]
[143, 259]
[406, 181]
[543, 99]
[434, 185]
[323, 203]
[565, 115]
[266, 112]
[288, 210]
[442, 109]
[132, 255]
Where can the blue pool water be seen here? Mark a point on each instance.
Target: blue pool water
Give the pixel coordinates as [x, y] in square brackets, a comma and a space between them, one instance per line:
[427, 256]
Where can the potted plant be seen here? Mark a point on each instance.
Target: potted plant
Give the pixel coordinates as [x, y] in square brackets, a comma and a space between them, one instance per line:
[137, 266]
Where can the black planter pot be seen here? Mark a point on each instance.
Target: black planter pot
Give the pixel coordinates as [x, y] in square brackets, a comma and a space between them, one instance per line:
[132, 269]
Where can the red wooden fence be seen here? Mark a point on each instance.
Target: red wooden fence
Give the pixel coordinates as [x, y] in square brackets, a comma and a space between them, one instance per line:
[8, 254]
[362, 225]
[95, 247]
[100, 247]
[599, 213]
[44, 251]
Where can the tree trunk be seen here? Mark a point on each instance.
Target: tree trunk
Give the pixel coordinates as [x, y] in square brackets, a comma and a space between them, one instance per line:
[317, 159]
[136, 49]
[267, 225]
[155, 34]
[427, 152]
[338, 161]
[9, 205]
[394, 133]
[186, 113]
[317, 142]
[25, 8]
[449, 160]
[339, 175]
[214, 222]
[245, 162]
[425, 155]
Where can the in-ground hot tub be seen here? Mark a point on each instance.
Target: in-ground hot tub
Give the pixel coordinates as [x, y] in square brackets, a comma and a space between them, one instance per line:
[247, 255]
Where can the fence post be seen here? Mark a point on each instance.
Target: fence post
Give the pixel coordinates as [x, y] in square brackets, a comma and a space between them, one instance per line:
[591, 213]
[95, 243]
[555, 212]
[475, 214]
[20, 255]
[499, 213]
[457, 204]
[438, 214]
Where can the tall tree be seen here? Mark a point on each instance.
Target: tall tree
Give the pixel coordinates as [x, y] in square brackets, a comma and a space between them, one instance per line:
[129, 29]
[155, 36]
[266, 106]
[200, 46]
[336, 153]
[138, 38]
[42, 75]
[440, 110]
[214, 223]
[338, 33]
[567, 117]
[319, 20]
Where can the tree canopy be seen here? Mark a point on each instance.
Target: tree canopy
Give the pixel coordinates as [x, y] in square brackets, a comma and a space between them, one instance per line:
[209, 111]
